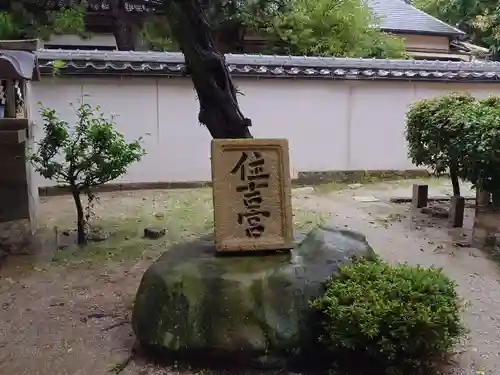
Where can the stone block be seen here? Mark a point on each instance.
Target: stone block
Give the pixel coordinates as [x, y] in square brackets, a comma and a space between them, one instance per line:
[154, 232]
[457, 206]
[252, 194]
[419, 196]
[483, 198]
[14, 204]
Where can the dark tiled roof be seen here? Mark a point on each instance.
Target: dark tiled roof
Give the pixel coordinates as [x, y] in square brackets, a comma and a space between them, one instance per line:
[104, 5]
[397, 15]
[172, 64]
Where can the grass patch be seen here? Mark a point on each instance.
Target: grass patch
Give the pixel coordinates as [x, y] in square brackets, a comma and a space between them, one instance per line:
[330, 187]
[376, 183]
[306, 219]
[183, 213]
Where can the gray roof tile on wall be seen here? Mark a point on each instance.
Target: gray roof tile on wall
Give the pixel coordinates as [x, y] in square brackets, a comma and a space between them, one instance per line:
[172, 64]
[397, 15]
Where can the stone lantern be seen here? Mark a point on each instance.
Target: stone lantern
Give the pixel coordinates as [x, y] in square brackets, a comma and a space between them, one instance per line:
[18, 192]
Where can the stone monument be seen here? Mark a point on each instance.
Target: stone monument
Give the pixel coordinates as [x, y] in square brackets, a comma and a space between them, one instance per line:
[252, 194]
[202, 301]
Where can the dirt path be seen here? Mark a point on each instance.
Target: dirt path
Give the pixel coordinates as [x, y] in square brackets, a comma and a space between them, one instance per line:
[400, 235]
[72, 317]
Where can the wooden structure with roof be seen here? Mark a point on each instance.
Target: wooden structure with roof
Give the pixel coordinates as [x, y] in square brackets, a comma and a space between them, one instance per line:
[18, 196]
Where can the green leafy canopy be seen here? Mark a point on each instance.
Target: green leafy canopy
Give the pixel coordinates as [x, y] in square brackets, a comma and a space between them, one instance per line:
[83, 156]
[457, 131]
[26, 19]
[480, 19]
[435, 129]
[333, 28]
[90, 154]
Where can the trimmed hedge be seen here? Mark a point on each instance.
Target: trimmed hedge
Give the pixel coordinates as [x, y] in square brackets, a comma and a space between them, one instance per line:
[384, 319]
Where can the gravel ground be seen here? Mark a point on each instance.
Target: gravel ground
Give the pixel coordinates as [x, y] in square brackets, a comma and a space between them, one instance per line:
[72, 317]
[399, 234]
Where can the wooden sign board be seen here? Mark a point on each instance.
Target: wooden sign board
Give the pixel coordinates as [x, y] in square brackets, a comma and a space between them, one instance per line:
[252, 194]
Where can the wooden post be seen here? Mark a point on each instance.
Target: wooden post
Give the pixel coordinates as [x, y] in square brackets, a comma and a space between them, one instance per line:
[10, 99]
[419, 195]
[23, 88]
[457, 206]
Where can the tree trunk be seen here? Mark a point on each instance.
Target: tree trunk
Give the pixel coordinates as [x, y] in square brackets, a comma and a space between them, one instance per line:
[80, 219]
[454, 179]
[219, 109]
[125, 34]
[125, 29]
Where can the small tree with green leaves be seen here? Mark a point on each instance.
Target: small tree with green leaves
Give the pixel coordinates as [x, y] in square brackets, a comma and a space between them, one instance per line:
[435, 132]
[84, 156]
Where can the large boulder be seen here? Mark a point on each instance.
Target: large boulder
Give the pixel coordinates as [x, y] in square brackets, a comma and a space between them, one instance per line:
[192, 301]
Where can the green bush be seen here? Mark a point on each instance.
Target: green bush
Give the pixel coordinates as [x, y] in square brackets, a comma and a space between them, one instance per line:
[482, 158]
[383, 319]
[435, 134]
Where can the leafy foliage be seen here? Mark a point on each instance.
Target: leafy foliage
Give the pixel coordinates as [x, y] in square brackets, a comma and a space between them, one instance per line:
[479, 19]
[67, 20]
[380, 318]
[333, 28]
[482, 138]
[90, 154]
[249, 13]
[459, 133]
[435, 131]
[156, 33]
[26, 19]
[252, 14]
[8, 28]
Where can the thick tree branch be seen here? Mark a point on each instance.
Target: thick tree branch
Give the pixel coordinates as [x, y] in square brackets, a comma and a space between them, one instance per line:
[219, 109]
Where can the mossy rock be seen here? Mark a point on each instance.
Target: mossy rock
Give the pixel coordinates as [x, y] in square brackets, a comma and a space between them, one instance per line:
[192, 301]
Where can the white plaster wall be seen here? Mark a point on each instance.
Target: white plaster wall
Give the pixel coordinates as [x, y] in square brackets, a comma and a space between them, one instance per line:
[97, 39]
[184, 143]
[330, 125]
[132, 101]
[312, 115]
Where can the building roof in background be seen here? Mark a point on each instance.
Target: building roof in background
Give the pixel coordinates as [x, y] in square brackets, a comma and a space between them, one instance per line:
[171, 64]
[400, 17]
[394, 15]
[470, 48]
[136, 6]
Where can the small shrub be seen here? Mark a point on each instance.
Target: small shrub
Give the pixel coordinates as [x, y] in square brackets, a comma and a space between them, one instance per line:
[383, 319]
[482, 166]
[88, 154]
[435, 134]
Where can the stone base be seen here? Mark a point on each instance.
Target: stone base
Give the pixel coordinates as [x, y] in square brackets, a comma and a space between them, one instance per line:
[16, 238]
[250, 308]
[420, 193]
[486, 232]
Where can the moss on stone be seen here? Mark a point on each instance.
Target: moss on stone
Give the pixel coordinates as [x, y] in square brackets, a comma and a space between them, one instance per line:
[192, 300]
